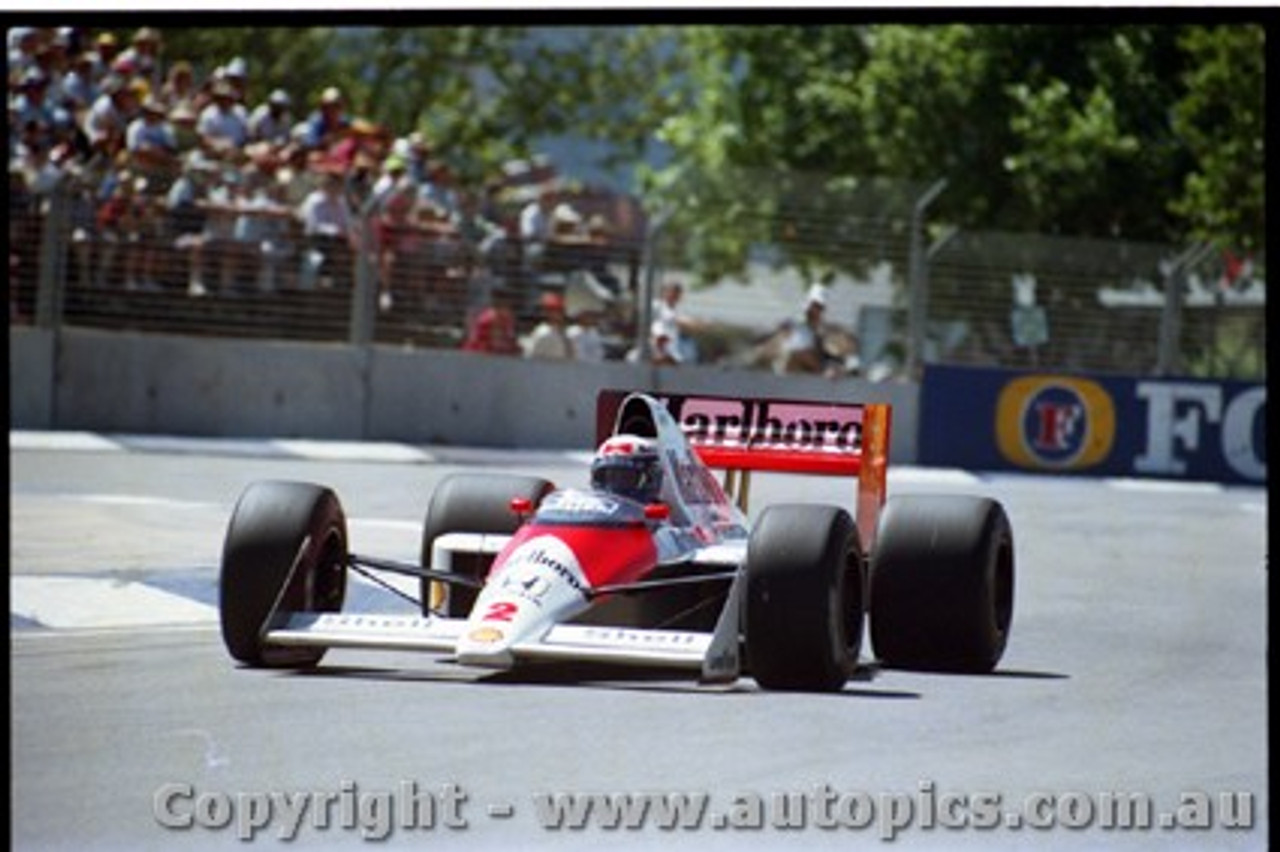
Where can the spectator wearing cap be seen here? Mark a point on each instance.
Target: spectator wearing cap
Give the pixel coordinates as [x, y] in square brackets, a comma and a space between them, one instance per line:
[32, 103]
[236, 72]
[183, 120]
[80, 86]
[179, 87]
[439, 191]
[23, 43]
[143, 54]
[802, 349]
[415, 151]
[107, 120]
[271, 120]
[549, 339]
[53, 61]
[222, 125]
[328, 122]
[107, 48]
[151, 143]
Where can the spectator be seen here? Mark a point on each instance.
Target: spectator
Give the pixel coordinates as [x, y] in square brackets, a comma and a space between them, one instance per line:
[263, 227]
[218, 239]
[327, 124]
[123, 224]
[673, 326]
[236, 73]
[222, 126]
[549, 339]
[802, 349]
[144, 55]
[415, 151]
[179, 89]
[536, 225]
[439, 190]
[80, 86]
[399, 240]
[152, 145]
[107, 49]
[107, 120]
[32, 103]
[662, 350]
[584, 334]
[23, 43]
[493, 330]
[327, 232]
[271, 121]
[186, 217]
[183, 120]
[597, 253]
[480, 236]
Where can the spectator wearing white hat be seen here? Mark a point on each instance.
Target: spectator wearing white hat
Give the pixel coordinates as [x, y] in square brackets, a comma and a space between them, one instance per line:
[802, 349]
[328, 122]
[222, 124]
[271, 120]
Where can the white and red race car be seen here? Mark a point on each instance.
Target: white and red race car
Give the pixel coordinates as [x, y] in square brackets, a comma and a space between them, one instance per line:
[514, 570]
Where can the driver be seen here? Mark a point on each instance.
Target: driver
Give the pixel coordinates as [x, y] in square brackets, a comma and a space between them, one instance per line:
[629, 466]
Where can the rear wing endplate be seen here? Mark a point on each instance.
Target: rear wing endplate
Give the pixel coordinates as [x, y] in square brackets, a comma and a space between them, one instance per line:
[787, 436]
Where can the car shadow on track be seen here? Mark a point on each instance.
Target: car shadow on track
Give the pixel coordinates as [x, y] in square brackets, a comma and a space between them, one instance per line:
[584, 674]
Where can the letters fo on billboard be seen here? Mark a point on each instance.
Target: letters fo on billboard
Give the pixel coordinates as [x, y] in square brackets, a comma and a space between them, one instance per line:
[993, 419]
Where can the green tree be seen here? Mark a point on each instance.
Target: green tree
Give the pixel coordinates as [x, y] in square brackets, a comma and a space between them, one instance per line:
[1222, 121]
[1077, 130]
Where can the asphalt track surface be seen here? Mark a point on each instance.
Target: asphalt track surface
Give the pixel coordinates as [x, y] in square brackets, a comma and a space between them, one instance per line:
[1137, 667]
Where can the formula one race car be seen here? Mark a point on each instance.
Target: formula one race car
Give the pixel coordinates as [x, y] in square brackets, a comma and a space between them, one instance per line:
[654, 564]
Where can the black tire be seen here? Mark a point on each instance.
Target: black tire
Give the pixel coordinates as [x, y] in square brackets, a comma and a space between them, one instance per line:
[475, 503]
[942, 579]
[274, 525]
[805, 598]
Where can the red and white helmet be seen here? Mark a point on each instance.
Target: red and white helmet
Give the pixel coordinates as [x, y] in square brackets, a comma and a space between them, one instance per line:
[629, 466]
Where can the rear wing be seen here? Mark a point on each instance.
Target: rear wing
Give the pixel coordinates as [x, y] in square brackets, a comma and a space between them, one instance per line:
[741, 435]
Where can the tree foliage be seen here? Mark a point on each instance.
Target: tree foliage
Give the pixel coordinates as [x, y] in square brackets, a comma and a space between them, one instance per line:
[775, 134]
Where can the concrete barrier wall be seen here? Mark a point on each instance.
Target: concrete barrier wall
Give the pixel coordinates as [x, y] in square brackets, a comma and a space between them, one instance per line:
[158, 384]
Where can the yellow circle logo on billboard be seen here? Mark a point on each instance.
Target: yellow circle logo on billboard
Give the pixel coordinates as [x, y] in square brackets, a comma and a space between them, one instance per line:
[1055, 423]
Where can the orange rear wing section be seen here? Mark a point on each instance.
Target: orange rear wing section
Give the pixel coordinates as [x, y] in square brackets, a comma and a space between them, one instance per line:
[787, 436]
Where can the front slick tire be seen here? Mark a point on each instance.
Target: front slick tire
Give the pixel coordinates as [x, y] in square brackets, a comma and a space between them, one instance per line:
[804, 606]
[942, 578]
[287, 542]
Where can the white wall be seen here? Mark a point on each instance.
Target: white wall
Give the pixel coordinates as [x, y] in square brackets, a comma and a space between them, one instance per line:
[127, 382]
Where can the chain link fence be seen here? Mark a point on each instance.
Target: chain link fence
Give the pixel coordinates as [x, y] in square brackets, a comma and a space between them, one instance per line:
[903, 288]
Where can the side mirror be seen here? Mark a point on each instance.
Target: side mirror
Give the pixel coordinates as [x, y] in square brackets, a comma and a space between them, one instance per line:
[657, 511]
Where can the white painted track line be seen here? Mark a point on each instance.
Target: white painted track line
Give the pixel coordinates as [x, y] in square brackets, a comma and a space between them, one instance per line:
[90, 602]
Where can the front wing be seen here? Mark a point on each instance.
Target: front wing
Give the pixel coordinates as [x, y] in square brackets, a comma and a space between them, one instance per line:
[716, 656]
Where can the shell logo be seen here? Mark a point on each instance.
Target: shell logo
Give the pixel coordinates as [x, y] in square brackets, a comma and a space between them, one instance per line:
[1055, 423]
[485, 635]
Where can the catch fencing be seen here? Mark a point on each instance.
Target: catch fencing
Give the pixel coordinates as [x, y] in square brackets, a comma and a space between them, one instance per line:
[904, 288]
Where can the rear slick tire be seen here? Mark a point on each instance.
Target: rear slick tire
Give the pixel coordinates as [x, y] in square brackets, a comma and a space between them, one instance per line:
[942, 583]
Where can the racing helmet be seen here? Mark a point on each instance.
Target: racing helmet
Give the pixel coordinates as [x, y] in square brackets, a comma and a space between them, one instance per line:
[629, 466]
